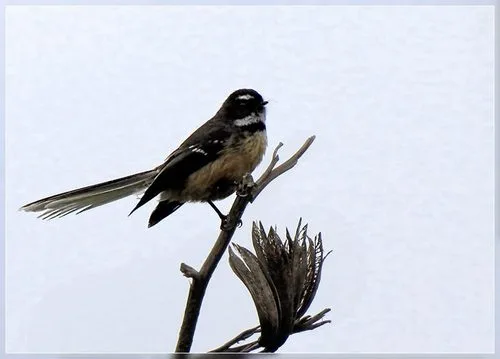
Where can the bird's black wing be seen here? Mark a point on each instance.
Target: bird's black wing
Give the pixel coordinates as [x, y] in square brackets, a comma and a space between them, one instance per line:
[201, 148]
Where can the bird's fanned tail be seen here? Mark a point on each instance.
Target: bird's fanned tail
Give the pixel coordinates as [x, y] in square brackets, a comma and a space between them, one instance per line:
[83, 199]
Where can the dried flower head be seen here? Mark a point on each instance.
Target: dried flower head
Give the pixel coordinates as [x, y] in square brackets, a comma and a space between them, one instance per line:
[282, 278]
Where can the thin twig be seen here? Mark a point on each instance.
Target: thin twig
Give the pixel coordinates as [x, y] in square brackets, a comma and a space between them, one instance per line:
[245, 348]
[301, 325]
[285, 166]
[309, 323]
[200, 281]
[274, 160]
[242, 336]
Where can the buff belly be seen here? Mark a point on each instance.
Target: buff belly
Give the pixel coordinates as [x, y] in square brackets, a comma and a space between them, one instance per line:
[218, 180]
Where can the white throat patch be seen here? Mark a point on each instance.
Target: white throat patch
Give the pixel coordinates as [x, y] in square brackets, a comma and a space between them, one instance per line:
[249, 120]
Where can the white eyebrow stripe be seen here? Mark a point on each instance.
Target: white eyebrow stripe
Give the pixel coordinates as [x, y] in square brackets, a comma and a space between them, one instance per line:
[244, 97]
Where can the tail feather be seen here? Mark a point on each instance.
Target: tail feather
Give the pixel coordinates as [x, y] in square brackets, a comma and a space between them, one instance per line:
[83, 199]
[164, 209]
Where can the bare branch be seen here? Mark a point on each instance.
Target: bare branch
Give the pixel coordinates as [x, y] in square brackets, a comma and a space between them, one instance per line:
[200, 281]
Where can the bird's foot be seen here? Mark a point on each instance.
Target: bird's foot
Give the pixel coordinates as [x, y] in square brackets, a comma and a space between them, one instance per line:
[226, 224]
[244, 187]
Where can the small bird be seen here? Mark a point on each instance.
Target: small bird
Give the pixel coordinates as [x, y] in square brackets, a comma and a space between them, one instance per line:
[206, 167]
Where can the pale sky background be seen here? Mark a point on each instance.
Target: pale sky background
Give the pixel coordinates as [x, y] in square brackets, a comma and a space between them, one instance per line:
[400, 179]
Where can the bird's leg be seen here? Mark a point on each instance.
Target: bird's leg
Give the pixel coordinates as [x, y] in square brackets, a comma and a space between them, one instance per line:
[224, 219]
[219, 213]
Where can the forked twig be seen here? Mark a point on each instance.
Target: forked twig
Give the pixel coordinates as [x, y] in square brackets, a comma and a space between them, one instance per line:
[201, 278]
[270, 175]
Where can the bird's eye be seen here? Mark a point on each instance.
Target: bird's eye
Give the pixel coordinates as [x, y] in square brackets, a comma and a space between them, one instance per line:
[242, 103]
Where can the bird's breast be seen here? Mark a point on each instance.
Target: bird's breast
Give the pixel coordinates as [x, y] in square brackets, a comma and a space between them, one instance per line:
[217, 179]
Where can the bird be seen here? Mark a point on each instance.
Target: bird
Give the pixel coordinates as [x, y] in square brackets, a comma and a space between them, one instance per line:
[206, 167]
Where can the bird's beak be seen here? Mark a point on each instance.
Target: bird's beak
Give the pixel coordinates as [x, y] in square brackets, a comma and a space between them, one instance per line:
[264, 103]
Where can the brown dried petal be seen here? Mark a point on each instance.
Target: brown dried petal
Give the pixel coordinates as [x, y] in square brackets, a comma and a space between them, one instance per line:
[250, 273]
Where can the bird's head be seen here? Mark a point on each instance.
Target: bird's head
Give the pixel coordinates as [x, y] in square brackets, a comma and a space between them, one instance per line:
[244, 104]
